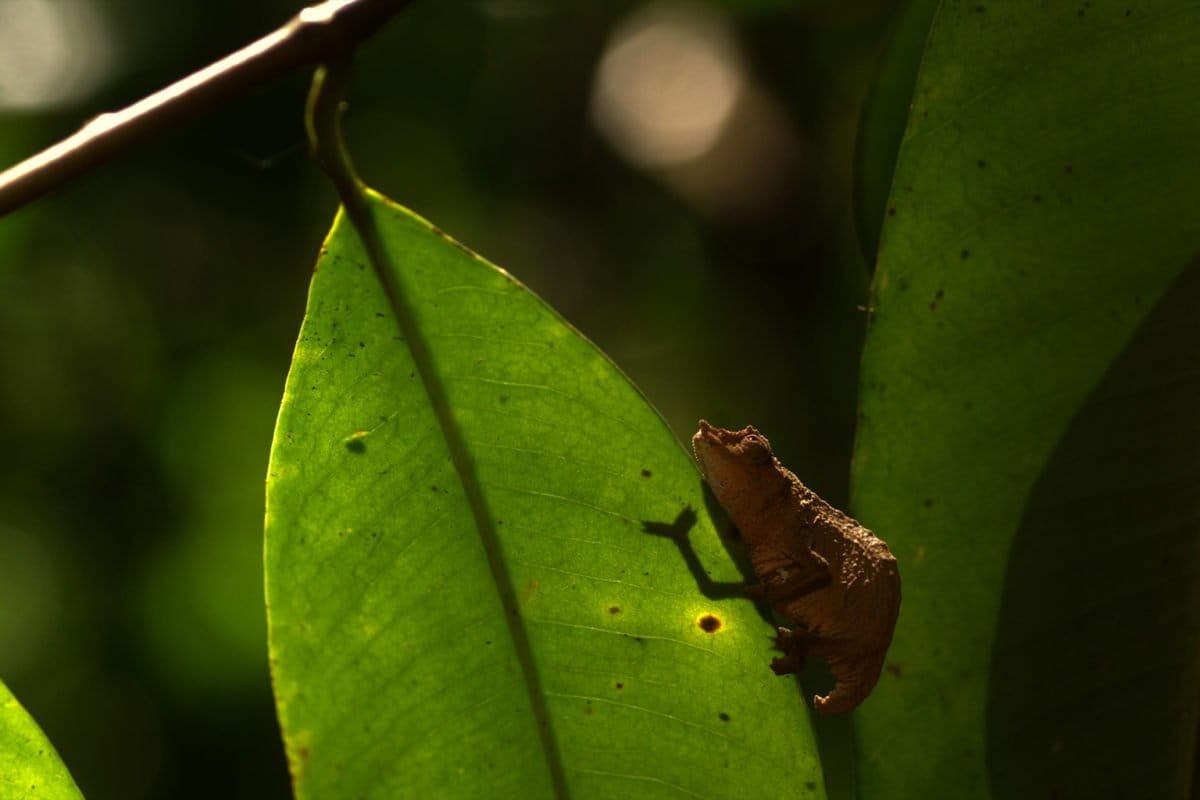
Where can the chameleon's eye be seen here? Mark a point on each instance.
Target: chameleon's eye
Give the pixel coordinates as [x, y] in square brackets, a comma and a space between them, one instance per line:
[756, 448]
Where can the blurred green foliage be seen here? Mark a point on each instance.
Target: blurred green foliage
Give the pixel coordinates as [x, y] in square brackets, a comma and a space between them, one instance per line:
[149, 311]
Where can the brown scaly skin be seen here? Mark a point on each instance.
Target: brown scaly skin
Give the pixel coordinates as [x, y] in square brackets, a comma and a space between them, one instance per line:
[817, 567]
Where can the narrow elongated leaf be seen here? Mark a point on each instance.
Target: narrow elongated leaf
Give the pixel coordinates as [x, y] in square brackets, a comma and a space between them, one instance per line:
[464, 600]
[1029, 441]
[29, 765]
[884, 115]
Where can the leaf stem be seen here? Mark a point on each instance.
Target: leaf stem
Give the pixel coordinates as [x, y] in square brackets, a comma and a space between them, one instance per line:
[319, 33]
[323, 124]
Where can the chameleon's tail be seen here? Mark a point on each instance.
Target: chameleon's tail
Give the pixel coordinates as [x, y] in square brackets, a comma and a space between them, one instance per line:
[856, 675]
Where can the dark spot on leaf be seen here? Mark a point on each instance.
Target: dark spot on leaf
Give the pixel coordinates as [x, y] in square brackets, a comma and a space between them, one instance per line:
[614, 609]
[303, 753]
[356, 446]
[723, 716]
[587, 710]
[709, 624]
[891, 212]
[929, 502]
[1068, 169]
[893, 669]
[619, 685]
[503, 398]
[937, 298]
[362, 344]
[434, 487]
[981, 163]
[646, 473]
[964, 254]
[812, 787]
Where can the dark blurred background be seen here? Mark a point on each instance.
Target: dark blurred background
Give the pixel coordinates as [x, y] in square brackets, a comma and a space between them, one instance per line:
[674, 178]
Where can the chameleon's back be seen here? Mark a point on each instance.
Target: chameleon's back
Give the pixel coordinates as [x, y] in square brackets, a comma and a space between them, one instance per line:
[854, 616]
[860, 605]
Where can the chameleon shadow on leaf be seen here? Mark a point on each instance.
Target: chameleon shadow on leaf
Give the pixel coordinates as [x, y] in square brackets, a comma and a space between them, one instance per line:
[678, 532]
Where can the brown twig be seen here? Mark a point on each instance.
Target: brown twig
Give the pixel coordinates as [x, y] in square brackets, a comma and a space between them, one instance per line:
[318, 33]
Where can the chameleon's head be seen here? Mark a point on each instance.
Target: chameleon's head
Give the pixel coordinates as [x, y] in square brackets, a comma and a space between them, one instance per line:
[736, 463]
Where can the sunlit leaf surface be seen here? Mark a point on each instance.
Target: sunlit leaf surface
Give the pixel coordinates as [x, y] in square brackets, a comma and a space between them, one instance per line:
[1030, 440]
[29, 766]
[463, 596]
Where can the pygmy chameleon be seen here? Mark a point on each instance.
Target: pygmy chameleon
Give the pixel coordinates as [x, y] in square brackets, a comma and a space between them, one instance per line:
[816, 566]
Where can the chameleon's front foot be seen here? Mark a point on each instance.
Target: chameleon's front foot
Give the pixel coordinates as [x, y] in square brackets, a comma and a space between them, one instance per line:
[757, 592]
[792, 643]
[787, 665]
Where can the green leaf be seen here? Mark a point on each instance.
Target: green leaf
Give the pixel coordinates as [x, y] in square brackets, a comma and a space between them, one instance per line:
[29, 766]
[1030, 433]
[463, 600]
[884, 116]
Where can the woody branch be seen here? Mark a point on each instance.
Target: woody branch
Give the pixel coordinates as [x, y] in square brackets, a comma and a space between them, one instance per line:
[317, 34]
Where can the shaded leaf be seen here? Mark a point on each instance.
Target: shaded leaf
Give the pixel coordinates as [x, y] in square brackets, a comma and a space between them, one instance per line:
[464, 598]
[884, 116]
[1029, 436]
[29, 765]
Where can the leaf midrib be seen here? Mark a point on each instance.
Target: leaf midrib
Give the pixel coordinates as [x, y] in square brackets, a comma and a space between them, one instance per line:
[361, 216]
